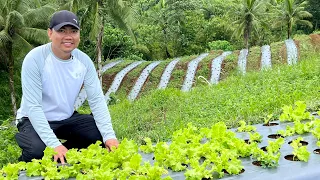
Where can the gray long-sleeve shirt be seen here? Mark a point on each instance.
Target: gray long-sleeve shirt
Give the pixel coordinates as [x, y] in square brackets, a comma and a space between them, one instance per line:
[50, 87]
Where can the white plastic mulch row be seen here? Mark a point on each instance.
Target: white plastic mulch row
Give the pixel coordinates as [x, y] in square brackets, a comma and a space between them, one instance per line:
[119, 77]
[83, 95]
[292, 56]
[191, 71]
[141, 80]
[242, 61]
[216, 67]
[265, 57]
[292, 52]
[167, 74]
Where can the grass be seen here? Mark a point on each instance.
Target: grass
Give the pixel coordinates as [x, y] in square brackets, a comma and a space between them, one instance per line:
[254, 59]
[248, 98]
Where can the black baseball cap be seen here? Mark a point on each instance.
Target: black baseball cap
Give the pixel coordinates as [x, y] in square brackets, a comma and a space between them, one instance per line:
[62, 18]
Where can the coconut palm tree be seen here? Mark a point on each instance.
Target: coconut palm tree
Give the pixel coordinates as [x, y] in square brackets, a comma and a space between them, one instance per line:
[292, 12]
[22, 24]
[248, 20]
[95, 14]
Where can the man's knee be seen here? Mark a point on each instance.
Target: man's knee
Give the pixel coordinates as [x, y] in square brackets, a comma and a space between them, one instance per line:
[32, 148]
[35, 152]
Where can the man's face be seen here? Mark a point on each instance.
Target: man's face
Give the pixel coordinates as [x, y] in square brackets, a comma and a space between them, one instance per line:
[64, 41]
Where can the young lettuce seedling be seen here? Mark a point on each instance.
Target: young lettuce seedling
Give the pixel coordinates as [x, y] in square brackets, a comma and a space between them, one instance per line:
[300, 152]
[246, 128]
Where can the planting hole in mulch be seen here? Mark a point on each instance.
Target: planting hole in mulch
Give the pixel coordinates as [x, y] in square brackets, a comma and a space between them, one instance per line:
[257, 163]
[264, 148]
[314, 113]
[316, 151]
[226, 172]
[291, 158]
[271, 124]
[275, 136]
[202, 159]
[186, 165]
[248, 141]
[303, 143]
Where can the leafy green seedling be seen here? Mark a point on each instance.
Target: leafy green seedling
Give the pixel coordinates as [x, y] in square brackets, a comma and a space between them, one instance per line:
[246, 128]
[268, 119]
[299, 151]
[255, 137]
[148, 147]
[295, 113]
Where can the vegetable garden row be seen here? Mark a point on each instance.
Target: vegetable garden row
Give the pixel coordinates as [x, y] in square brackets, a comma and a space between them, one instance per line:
[216, 64]
[284, 149]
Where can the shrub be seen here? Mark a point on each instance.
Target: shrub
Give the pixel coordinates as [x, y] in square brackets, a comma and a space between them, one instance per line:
[220, 45]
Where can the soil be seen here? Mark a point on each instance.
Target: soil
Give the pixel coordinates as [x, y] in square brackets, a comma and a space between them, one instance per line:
[290, 158]
[225, 171]
[248, 141]
[257, 163]
[316, 151]
[186, 165]
[275, 136]
[315, 40]
[304, 143]
[271, 124]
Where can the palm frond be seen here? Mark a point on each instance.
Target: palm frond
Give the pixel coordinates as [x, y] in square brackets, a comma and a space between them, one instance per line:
[38, 17]
[35, 35]
[2, 23]
[304, 14]
[121, 15]
[4, 39]
[22, 6]
[95, 18]
[4, 8]
[304, 22]
[14, 20]
[20, 47]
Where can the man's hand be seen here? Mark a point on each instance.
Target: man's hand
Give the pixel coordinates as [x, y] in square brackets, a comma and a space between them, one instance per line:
[61, 150]
[112, 143]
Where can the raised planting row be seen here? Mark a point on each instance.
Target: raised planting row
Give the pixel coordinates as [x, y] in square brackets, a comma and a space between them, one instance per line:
[247, 152]
[189, 77]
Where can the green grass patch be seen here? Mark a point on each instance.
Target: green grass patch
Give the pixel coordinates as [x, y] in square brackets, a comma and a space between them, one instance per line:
[254, 59]
[248, 98]
[278, 53]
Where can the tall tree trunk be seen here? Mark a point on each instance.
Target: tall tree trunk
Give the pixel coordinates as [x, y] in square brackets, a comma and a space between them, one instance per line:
[166, 42]
[11, 80]
[289, 31]
[246, 37]
[99, 54]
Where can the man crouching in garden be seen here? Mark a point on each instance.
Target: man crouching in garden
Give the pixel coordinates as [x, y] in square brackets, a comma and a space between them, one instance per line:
[52, 76]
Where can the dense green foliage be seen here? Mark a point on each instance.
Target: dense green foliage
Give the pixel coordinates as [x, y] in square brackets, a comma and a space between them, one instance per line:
[10, 151]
